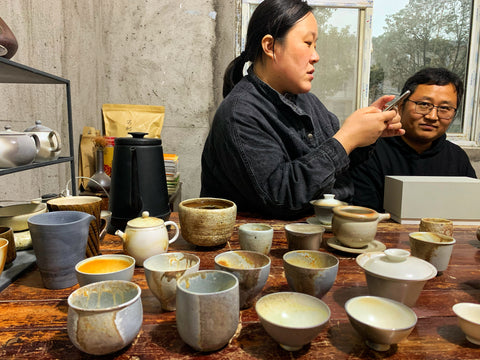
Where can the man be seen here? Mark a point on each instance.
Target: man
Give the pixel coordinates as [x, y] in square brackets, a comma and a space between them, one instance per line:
[423, 150]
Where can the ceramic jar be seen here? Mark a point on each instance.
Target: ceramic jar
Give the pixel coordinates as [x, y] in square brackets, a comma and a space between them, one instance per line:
[49, 142]
[355, 226]
[17, 148]
[146, 236]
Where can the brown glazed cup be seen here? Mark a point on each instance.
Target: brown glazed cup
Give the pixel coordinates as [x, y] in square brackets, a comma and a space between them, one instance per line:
[7, 233]
[436, 225]
[90, 205]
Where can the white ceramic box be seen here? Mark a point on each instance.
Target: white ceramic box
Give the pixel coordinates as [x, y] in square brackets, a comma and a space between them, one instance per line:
[410, 198]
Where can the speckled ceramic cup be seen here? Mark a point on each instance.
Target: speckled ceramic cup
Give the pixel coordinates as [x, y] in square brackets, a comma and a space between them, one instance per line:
[255, 237]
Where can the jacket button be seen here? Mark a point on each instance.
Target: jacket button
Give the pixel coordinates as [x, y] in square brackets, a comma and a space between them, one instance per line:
[310, 136]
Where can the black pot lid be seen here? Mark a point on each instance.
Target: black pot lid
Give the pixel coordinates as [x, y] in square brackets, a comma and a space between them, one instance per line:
[138, 139]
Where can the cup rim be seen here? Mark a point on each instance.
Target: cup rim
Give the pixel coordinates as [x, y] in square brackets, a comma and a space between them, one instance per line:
[247, 227]
[60, 200]
[230, 203]
[321, 228]
[101, 284]
[105, 256]
[201, 273]
[412, 237]
[316, 252]
[255, 253]
[168, 254]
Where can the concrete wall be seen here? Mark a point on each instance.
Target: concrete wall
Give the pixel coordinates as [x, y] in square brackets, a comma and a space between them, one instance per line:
[171, 53]
[157, 52]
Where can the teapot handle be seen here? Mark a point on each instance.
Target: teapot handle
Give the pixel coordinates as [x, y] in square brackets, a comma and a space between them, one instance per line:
[177, 231]
[56, 145]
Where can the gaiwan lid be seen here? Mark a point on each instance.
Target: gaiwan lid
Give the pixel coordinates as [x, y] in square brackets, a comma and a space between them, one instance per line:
[145, 221]
[328, 201]
[396, 264]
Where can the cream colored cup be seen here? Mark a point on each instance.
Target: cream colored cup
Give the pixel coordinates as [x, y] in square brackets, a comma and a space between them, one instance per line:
[255, 237]
[436, 225]
[432, 247]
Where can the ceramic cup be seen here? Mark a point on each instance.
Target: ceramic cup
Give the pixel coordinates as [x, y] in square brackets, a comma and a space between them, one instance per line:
[105, 316]
[87, 204]
[434, 248]
[3, 253]
[162, 272]
[310, 272]
[208, 309]
[303, 236]
[105, 267]
[7, 233]
[255, 237]
[436, 225]
[251, 269]
[59, 239]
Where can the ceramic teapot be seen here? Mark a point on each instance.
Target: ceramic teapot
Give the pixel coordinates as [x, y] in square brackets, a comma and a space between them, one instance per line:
[356, 226]
[50, 142]
[146, 236]
[17, 148]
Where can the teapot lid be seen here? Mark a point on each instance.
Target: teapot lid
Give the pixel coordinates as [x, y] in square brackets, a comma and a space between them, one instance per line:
[145, 221]
[328, 201]
[8, 131]
[38, 127]
[396, 264]
[138, 139]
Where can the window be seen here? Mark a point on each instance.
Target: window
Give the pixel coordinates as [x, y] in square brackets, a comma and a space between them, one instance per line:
[369, 48]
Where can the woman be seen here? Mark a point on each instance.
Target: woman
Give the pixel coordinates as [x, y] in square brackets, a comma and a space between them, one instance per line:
[273, 146]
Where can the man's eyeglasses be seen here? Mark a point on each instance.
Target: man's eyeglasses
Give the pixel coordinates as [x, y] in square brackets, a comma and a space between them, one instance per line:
[443, 111]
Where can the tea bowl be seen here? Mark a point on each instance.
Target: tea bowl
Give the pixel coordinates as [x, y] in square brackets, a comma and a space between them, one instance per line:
[3, 253]
[380, 321]
[323, 208]
[468, 315]
[292, 319]
[304, 236]
[208, 309]
[432, 247]
[207, 221]
[396, 275]
[310, 272]
[105, 316]
[162, 272]
[251, 269]
[105, 267]
[16, 216]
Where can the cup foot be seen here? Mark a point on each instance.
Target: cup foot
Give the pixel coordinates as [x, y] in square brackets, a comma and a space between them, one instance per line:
[377, 347]
[472, 340]
[290, 348]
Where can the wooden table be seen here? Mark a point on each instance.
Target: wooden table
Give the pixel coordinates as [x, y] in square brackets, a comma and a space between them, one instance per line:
[33, 319]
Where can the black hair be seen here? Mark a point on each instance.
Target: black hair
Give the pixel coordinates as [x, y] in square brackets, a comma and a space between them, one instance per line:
[271, 17]
[435, 76]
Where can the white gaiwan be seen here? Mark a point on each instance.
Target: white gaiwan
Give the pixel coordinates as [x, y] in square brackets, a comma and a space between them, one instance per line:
[323, 208]
[395, 274]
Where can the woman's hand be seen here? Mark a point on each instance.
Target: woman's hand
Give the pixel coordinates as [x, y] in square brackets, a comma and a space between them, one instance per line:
[366, 125]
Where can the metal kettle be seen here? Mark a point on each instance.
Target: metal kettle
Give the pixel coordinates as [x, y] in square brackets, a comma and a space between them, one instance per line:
[138, 181]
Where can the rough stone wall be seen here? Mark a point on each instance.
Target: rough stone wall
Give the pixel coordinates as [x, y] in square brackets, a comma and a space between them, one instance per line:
[171, 53]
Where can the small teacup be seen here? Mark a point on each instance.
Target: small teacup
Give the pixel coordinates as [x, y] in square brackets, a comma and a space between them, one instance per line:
[255, 237]
[436, 225]
[310, 272]
[162, 272]
[7, 233]
[251, 269]
[432, 247]
[303, 236]
[105, 267]
[208, 309]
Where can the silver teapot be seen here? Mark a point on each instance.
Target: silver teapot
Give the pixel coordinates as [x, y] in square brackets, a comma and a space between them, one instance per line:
[17, 148]
[50, 142]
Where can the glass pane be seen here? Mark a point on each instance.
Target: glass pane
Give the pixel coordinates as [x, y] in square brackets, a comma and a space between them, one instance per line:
[335, 77]
[410, 35]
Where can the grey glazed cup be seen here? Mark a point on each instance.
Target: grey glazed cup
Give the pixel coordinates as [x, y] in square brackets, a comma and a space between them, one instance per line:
[251, 269]
[208, 309]
[304, 236]
[310, 272]
[59, 241]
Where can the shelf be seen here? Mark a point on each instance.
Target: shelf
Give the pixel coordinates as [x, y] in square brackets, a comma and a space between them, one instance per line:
[15, 73]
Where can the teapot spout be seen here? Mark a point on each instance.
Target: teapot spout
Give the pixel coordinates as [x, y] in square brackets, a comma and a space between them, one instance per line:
[120, 234]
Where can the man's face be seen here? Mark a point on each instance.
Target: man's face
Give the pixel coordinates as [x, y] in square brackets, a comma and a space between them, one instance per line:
[420, 129]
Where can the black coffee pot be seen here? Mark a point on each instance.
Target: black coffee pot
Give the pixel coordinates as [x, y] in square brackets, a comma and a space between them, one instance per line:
[138, 180]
